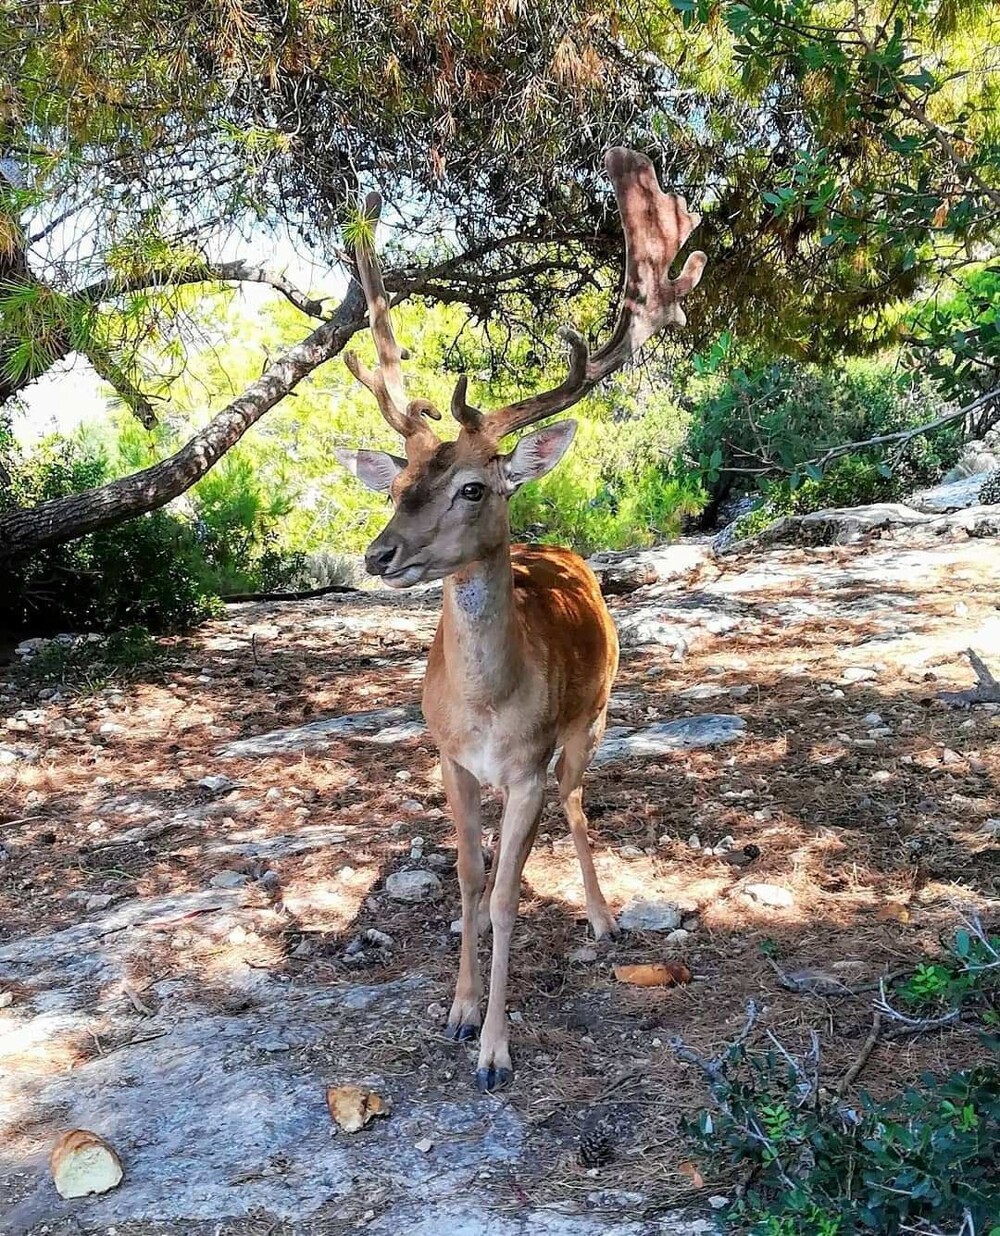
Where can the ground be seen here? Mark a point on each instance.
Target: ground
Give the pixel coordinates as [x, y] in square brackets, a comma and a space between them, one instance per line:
[174, 961]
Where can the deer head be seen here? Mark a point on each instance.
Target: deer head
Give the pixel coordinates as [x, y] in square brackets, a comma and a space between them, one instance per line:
[451, 498]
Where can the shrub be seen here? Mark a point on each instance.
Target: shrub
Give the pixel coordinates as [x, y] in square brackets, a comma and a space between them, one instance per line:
[851, 481]
[767, 423]
[923, 1161]
[147, 571]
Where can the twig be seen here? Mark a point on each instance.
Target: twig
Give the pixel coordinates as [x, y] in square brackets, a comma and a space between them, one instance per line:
[25, 819]
[869, 1045]
[986, 690]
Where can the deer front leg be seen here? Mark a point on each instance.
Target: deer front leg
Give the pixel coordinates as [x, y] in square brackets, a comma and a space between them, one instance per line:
[464, 797]
[522, 809]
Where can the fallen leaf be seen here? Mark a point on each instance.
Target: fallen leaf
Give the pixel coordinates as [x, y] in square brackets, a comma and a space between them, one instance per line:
[654, 974]
[893, 912]
[353, 1106]
[690, 1170]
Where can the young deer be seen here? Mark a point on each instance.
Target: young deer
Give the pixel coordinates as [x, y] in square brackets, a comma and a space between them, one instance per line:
[525, 652]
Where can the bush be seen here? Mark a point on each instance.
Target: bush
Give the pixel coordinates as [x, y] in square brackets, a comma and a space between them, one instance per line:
[589, 512]
[147, 571]
[923, 1161]
[767, 423]
[851, 481]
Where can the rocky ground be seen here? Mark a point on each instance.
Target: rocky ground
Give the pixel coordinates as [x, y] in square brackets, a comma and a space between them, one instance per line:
[203, 866]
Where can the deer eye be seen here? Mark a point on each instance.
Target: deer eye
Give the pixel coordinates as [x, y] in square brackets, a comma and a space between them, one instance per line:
[473, 491]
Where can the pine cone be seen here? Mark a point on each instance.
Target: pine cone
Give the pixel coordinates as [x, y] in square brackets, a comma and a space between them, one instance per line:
[598, 1137]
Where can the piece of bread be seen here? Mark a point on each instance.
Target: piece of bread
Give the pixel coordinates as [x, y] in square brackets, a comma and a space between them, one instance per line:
[82, 1163]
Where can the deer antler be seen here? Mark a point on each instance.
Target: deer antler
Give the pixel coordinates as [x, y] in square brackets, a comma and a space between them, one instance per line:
[386, 382]
[656, 227]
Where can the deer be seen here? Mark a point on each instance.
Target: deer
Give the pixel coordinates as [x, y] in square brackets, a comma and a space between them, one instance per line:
[525, 652]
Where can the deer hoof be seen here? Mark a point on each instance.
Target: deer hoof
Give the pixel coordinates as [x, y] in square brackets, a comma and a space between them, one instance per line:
[491, 1079]
[462, 1033]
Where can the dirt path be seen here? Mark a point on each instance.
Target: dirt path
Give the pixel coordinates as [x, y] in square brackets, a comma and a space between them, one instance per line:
[178, 900]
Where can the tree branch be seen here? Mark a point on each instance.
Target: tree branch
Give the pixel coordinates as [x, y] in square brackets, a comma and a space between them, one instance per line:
[64, 519]
[237, 271]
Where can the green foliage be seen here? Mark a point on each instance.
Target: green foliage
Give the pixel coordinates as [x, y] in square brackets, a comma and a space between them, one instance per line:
[851, 481]
[966, 977]
[92, 662]
[920, 1162]
[955, 338]
[777, 420]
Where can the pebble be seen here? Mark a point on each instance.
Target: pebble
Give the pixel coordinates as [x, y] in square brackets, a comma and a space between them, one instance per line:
[436, 1010]
[871, 720]
[631, 851]
[642, 915]
[694, 841]
[6, 999]
[858, 673]
[412, 807]
[771, 895]
[992, 828]
[418, 885]
[99, 901]
[217, 784]
[678, 937]
[228, 879]
[581, 956]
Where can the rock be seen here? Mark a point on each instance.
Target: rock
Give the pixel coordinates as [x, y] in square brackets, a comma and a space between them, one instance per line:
[440, 861]
[411, 806]
[583, 955]
[992, 828]
[951, 496]
[703, 691]
[718, 1202]
[706, 730]
[228, 879]
[678, 937]
[413, 886]
[99, 901]
[772, 895]
[872, 720]
[694, 841]
[425, 1145]
[217, 784]
[6, 999]
[858, 673]
[631, 852]
[642, 915]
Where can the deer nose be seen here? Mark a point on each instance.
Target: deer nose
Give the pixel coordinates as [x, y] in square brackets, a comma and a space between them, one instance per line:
[380, 556]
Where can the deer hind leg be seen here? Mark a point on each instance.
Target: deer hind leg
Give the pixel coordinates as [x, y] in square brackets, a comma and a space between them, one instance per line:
[464, 798]
[522, 809]
[576, 755]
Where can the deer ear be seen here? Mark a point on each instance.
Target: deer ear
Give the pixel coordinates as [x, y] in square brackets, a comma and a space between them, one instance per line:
[537, 453]
[376, 469]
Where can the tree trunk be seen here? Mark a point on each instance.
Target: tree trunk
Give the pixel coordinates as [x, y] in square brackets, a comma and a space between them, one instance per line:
[63, 519]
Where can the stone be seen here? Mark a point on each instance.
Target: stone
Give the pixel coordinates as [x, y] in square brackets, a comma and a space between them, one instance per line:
[706, 730]
[583, 955]
[772, 895]
[228, 879]
[703, 691]
[643, 915]
[991, 828]
[217, 784]
[872, 720]
[631, 852]
[413, 886]
[6, 999]
[858, 673]
[99, 901]
[678, 937]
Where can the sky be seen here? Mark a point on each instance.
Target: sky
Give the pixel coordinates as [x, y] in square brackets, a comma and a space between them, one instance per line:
[71, 393]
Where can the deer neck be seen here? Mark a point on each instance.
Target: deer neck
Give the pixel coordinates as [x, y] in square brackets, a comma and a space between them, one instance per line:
[482, 638]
